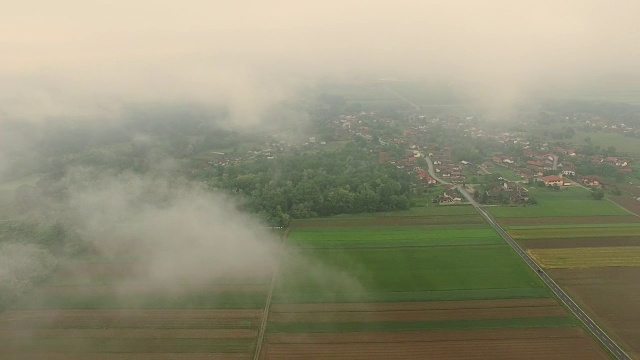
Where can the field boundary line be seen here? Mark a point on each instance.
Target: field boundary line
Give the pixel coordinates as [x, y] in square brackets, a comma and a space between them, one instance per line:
[606, 198]
[267, 305]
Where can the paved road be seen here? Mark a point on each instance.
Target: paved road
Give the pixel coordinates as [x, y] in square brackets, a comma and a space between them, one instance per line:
[432, 171]
[589, 324]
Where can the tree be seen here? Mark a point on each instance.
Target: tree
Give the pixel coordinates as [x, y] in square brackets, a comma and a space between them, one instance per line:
[597, 194]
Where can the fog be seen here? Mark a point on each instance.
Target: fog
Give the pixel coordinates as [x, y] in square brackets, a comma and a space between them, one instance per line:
[75, 58]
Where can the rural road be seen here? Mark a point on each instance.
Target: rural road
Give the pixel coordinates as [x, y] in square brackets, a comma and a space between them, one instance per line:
[589, 324]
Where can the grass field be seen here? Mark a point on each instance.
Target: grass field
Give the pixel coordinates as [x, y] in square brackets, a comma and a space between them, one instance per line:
[412, 270]
[587, 207]
[587, 257]
[358, 279]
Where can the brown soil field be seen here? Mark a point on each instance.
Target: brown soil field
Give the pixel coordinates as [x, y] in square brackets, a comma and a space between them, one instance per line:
[630, 189]
[580, 242]
[133, 333]
[91, 271]
[532, 348]
[126, 345]
[137, 319]
[561, 220]
[610, 296]
[421, 315]
[421, 336]
[390, 221]
[628, 203]
[72, 290]
[124, 356]
[413, 306]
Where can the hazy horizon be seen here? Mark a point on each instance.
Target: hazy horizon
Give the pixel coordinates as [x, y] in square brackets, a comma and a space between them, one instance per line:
[72, 58]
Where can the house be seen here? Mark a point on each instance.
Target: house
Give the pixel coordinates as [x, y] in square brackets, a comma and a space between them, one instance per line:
[535, 163]
[591, 181]
[450, 196]
[568, 173]
[552, 180]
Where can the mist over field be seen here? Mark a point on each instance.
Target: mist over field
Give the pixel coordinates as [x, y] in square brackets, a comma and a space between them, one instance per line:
[75, 59]
[74, 73]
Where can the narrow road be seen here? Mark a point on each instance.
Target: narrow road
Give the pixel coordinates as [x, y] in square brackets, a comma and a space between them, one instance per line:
[555, 161]
[267, 306]
[432, 172]
[403, 98]
[589, 324]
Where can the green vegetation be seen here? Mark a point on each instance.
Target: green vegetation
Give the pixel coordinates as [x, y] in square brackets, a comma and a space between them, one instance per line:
[559, 208]
[348, 180]
[365, 271]
[422, 325]
[396, 233]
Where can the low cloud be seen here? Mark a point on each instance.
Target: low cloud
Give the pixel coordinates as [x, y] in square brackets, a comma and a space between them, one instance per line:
[74, 58]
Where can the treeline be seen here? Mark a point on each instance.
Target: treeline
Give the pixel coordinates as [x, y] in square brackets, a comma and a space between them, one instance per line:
[349, 180]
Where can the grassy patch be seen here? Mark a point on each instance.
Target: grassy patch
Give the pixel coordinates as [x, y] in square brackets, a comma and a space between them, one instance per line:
[559, 321]
[406, 296]
[583, 207]
[392, 234]
[353, 272]
[587, 257]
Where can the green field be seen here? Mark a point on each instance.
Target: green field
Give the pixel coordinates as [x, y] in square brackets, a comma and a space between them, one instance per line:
[422, 325]
[407, 274]
[394, 236]
[585, 207]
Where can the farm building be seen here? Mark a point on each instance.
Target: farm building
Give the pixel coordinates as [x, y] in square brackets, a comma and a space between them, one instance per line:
[553, 180]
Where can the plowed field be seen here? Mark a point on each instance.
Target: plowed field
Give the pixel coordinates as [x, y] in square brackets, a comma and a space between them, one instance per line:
[611, 296]
[126, 319]
[628, 203]
[482, 344]
[595, 242]
[611, 219]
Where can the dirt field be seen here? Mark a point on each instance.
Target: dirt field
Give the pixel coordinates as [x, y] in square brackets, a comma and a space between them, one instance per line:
[131, 289]
[421, 315]
[139, 334]
[561, 220]
[478, 344]
[390, 221]
[628, 203]
[580, 242]
[417, 336]
[124, 356]
[133, 333]
[611, 295]
[400, 306]
[126, 319]
[416, 311]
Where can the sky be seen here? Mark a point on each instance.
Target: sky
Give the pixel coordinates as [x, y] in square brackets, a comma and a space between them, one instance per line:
[74, 57]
